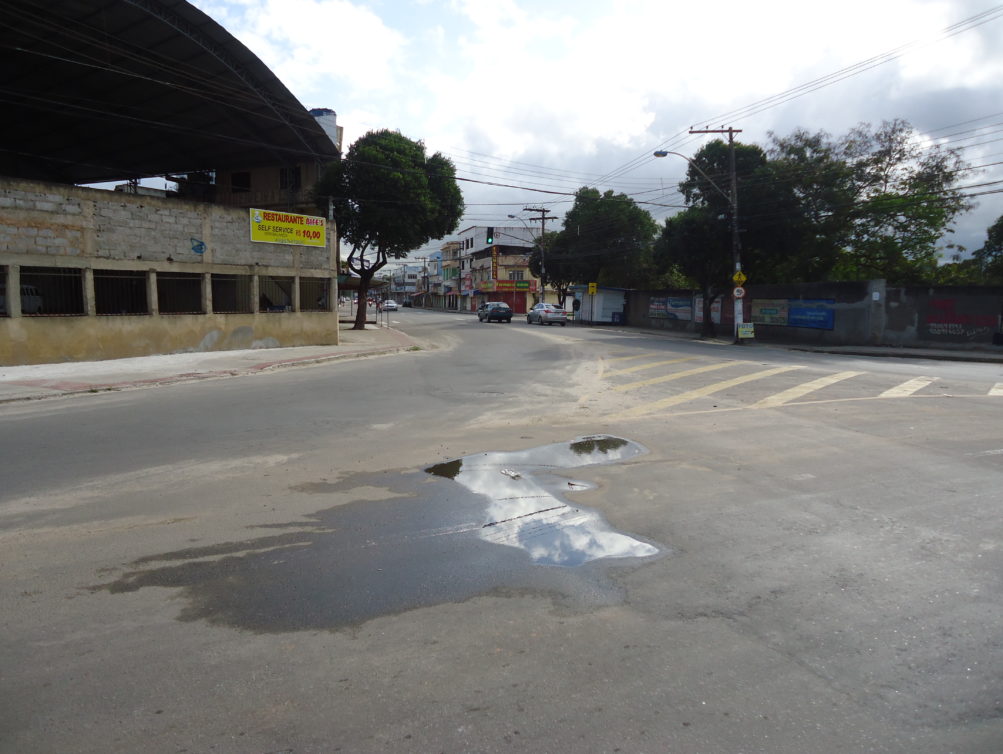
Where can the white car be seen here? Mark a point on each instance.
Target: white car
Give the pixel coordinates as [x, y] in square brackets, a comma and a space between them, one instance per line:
[547, 314]
[389, 305]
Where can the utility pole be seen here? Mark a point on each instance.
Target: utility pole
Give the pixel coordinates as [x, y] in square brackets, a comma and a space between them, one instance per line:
[544, 216]
[736, 243]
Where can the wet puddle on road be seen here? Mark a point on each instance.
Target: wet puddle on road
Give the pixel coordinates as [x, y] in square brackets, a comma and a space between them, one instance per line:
[490, 523]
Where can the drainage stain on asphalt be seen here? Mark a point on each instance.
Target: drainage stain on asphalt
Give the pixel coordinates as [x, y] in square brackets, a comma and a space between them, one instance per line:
[489, 523]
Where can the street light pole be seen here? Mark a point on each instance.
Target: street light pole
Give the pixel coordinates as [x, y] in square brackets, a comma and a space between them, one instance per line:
[539, 244]
[543, 231]
[732, 197]
[736, 242]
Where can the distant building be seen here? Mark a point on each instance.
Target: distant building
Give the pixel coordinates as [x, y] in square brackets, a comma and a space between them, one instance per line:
[497, 271]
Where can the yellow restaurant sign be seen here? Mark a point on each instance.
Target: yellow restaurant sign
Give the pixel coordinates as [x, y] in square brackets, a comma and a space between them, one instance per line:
[268, 226]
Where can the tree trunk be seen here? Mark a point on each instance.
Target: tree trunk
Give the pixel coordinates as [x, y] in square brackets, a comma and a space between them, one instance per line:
[362, 310]
[707, 329]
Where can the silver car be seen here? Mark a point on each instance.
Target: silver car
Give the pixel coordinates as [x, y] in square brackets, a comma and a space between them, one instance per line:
[547, 314]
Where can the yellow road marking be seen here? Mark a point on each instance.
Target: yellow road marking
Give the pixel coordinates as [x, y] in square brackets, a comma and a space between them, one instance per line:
[652, 365]
[996, 389]
[907, 388]
[702, 392]
[628, 358]
[799, 391]
[674, 376]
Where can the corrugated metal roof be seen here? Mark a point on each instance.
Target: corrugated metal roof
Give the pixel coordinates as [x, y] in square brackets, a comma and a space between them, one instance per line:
[101, 90]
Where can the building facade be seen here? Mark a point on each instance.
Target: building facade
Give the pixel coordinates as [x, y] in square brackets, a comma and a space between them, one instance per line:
[494, 266]
[105, 274]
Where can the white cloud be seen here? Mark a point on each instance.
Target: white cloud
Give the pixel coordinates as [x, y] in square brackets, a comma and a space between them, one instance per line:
[585, 86]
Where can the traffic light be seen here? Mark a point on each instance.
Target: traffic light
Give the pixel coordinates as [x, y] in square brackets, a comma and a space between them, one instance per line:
[491, 236]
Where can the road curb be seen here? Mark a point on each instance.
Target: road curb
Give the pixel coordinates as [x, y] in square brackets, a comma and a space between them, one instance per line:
[70, 387]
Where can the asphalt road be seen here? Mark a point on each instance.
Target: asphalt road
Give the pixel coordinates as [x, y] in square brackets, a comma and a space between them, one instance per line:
[752, 550]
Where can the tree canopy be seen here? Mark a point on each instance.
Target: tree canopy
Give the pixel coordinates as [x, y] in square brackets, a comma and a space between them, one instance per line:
[388, 198]
[989, 258]
[873, 203]
[607, 239]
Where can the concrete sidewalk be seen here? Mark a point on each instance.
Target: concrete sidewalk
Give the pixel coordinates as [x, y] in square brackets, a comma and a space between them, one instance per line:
[979, 354]
[35, 381]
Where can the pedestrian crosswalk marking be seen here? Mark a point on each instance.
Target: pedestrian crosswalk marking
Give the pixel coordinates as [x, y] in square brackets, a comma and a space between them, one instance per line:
[674, 376]
[629, 358]
[702, 392]
[907, 388]
[996, 389]
[652, 365]
[799, 391]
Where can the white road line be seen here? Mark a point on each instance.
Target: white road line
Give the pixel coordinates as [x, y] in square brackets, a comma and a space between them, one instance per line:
[908, 388]
[997, 389]
[799, 391]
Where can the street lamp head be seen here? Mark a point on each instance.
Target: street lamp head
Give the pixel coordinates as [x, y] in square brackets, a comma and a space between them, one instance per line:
[661, 153]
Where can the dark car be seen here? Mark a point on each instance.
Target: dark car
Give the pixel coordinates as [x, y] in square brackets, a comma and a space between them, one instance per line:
[547, 314]
[494, 310]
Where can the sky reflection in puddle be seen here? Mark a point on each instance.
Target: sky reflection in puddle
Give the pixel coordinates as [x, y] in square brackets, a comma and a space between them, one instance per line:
[433, 539]
[525, 508]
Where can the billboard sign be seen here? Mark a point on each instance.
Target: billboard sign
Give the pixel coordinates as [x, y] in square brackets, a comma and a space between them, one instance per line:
[817, 314]
[769, 311]
[268, 226]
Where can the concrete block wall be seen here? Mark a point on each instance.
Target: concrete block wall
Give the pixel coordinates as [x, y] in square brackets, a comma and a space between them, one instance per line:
[72, 221]
[864, 313]
[61, 226]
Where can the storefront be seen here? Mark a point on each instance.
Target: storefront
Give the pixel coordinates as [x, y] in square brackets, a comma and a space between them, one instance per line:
[518, 294]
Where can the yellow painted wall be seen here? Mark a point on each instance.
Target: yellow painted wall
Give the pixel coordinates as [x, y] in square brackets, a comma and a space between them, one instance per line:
[42, 340]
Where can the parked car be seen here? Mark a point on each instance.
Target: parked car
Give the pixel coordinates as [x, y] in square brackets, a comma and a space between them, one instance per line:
[494, 310]
[547, 314]
[389, 305]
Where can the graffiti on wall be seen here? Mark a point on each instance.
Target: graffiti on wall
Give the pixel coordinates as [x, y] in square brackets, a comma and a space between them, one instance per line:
[944, 321]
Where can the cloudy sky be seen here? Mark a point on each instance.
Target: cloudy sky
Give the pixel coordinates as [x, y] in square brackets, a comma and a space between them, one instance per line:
[550, 95]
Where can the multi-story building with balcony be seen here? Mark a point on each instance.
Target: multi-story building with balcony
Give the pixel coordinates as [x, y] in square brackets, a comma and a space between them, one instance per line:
[451, 253]
[494, 266]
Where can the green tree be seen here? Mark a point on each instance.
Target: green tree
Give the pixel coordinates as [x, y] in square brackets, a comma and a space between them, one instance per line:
[550, 262]
[607, 239]
[802, 215]
[698, 241]
[389, 198]
[697, 244]
[905, 201]
[989, 258]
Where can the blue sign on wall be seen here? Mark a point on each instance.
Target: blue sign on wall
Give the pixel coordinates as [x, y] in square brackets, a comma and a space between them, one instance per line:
[816, 313]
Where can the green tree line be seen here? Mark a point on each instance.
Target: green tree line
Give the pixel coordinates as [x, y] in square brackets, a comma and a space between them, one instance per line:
[873, 203]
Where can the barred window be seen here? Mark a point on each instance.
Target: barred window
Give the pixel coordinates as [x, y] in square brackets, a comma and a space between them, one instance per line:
[275, 294]
[289, 178]
[315, 294]
[179, 293]
[231, 294]
[120, 292]
[53, 291]
[240, 182]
